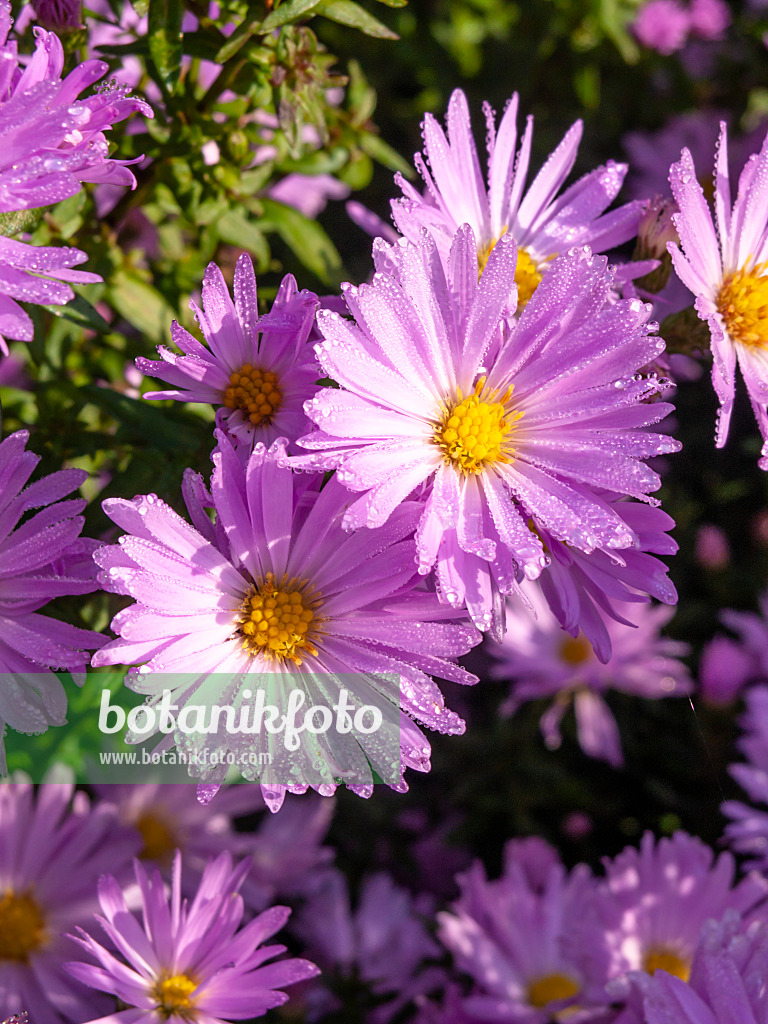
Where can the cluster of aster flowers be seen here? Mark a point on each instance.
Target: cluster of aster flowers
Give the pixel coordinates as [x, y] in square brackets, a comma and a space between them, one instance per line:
[52, 140]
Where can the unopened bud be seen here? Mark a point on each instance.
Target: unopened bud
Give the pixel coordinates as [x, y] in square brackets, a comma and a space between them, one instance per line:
[656, 228]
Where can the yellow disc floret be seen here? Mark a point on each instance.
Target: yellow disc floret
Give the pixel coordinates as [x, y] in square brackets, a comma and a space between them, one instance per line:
[278, 620]
[22, 927]
[158, 836]
[173, 994]
[575, 650]
[661, 958]
[527, 274]
[256, 392]
[743, 304]
[527, 278]
[473, 431]
[550, 987]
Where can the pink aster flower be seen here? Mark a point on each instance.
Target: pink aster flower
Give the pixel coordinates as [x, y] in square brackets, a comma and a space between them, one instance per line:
[728, 665]
[41, 557]
[260, 371]
[654, 901]
[662, 25]
[709, 18]
[381, 944]
[541, 660]
[728, 982]
[542, 223]
[333, 604]
[504, 422]
[51, 140]
[583, 590]
[191, 962]
[54, 848]
[513, 937]
[726, 271]
[747, 830]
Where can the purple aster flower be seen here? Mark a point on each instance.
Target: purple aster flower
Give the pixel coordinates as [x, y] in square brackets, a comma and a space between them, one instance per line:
[513, 937]
[190, 962]
[542, 223]
[662, 25]
[51, 140]
[728, 983]
[504, 422]
[332, 604]
[747, 830]
[654, 901]
[541, 660]
[582, 589]
[261, 371]
[727, 665]
[54, 848]
[709, 18]
[41, 557]
[382, 943]
[58, 14]
[726, 271]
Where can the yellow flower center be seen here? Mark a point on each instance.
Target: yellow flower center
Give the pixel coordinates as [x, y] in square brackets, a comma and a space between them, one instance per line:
[159, 840]
[550, 987]
[527, 278]
[254, 391]
[173, 994]
[472, 433]
[527, 275]
[575, 650]
[661, 958]
[278, 620]
[743, 304]
[22, 928]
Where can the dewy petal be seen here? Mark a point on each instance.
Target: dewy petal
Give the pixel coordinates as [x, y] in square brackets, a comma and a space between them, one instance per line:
[694, 222]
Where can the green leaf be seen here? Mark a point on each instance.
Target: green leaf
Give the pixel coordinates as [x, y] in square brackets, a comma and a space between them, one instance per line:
[235, 229]
[306, 239]
[164, 37]
[346, 12]
[167, 431]
[380, 150]
[394, 3]
[238, 39]
[17, 221]
[141, 305]
[293, 10]
[79, 311]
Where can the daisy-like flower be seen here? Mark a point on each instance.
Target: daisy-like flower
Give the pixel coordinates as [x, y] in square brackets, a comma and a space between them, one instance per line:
[541, 660]
[747, 830]
[41, 557]
[727, 271]
[511, 426]
[542, 223]
[277, 596]
[728, 983]
[382, 944]
[654, 901]
[54, 848]
[51, 140]
[284, 849]
[512, 936]
[259, 371]
[190, 963]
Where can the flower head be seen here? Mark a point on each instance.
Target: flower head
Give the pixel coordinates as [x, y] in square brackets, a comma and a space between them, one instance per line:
[727, 271]
[51, 140]
[512, 936]
[541, 660]
[662, 25]
[54, 848]
[747, 830]
[260, 371]
[655, 899]
[188, 962]
[41, 557]
[277, 595]
[382, 943]
[507, 425]
[542, 223]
